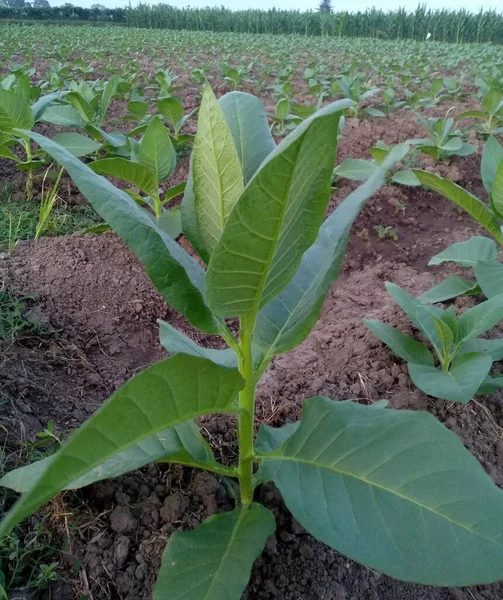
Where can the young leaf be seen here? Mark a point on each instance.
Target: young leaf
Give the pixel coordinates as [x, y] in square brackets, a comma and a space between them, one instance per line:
[467, 254]
[404, 346]
[470, 203]
[489, 275]
[392, 489]
[356, 169]
[459, 384]
[450, 288]
[445, 336]
[492, 156]
[182, 443]
[177, 276]
[15, 112]
[156, 150]
[82, 106]
[78, 145]
[107, 95]
[172, 110]
[163, 395]
[255, 258]
[214, 561]
[479, 319]
[247, 121]
[216, 172]
[139, 175]
[405, 178]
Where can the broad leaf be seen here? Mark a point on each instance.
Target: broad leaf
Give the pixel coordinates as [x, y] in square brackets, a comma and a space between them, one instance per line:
[405, 178]
[44, 102]
[489, 275]
[170, 222]
[247, 120]
[156, 150]
[172, 110]
[497, 191]
[494, 348]
[490, 385]
[78, 145]
[404, 346]
[189, 220]
[470, 203]
[272, 438]
[355, 169]
[64, 115]
[285, 321]
[450, 288]
[82, 106]
[467, 253]
[182, 443]
[15, 112]
[107, 95]
[216, 171]
[459, 384]
[492, 156]
[163, 395]
[394, 490]
[139, 175]
[214, 561]
[256, 258]
[177, 276]
[479, 319]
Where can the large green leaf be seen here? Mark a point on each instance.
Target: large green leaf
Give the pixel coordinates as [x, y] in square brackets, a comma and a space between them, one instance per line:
[404, 346]
[450, 288]
[394, 490]
[492, 156]
[172, 110]
[459, 384]
[490, 385]
[107, 95]
[497, 191]
[77, 144]
[163, 395]
[182, 443]
[247, 120]
[467, 253]
[482, 317]
[256, 257]
[15, 112]
[82, 106]
[156, 150]
[64, 115]
[492, 347]
[287, 319]
[214, 561]
[470, 203]
[139, 175]
[216, 171]
[177, 276]
[489, 275]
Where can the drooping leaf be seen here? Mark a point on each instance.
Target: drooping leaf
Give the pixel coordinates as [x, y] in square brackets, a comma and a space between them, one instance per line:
[470, 203]
[492, 156]
[459, 384]
[247, 120]
[176, 445]
[15, 112]
[256, 258]
[177, 276]
[216, 171]
[452, 287]
[165, 394]
[139, 175]
[394, 490]
[468, 253]
[482, 317]
[77, 144]
[44, 102]
[214, 561]
[404, 346]
[156, 150]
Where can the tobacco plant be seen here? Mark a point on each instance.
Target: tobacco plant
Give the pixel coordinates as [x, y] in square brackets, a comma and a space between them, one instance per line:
[393, 489]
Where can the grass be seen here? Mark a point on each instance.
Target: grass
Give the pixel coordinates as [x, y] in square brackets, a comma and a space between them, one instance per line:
[18, 219]
[14, 321]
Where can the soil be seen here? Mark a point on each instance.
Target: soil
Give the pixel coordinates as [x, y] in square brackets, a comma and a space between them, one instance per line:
[101, 312]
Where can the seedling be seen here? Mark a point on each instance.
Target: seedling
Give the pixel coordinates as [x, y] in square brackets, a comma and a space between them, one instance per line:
[490, 113]
[362, 479]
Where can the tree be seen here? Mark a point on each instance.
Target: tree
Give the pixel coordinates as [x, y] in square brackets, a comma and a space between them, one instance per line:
[12, 3]
[325, 6]
[41, 4]
[98, 7]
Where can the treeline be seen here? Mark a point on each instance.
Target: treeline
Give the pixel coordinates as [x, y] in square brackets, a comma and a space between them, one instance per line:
[446, 26]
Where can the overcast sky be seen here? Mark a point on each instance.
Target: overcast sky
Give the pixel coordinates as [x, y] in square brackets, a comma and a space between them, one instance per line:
[355, 5]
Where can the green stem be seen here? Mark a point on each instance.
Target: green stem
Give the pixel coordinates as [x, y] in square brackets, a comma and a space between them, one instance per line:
[29, 179]
[157, 205]
[246, 414]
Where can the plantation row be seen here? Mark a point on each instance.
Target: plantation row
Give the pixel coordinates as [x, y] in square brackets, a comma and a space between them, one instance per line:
[459, 26]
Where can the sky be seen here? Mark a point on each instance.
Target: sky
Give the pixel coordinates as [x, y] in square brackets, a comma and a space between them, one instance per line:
[355, 5]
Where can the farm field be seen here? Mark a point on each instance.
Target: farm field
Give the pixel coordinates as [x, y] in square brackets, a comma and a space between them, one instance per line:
[79, 314]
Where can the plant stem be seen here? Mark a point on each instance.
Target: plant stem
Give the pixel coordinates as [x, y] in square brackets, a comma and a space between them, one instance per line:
[29, 179]
[246, 414]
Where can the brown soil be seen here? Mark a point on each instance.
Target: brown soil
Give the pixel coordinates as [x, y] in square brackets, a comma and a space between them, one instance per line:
[94, 296]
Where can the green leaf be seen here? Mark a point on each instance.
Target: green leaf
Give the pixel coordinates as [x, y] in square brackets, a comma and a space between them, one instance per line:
[459, 384]
[107, 95]
[445, 336]
[492, 347]
[156, 150]
[472, 114]
[492, 156]
[172, 110]
[174, 191]
[394, 490]
[489, 275]
[178, 277]
[490, 385]
[491, 100]
[467, 254]
[15, 112]
[63, 115]
[285, 321]
[497, 190]
[189, 220]
[216, 171]
[405, 178]
[82, 106]
[214, 561]
[78, 145]
[175, 342]
[374, 112]
[247, 120]
[404, 346]
[479, 319]
[450, 288]
[174, 445]
[272, 438]
[256, 257]
[470, 203]
[165, 394]
[139, 175]
[356, 169]
[6, 153]
[170, 222]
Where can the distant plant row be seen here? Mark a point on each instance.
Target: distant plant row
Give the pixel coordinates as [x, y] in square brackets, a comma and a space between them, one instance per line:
[438, 25]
